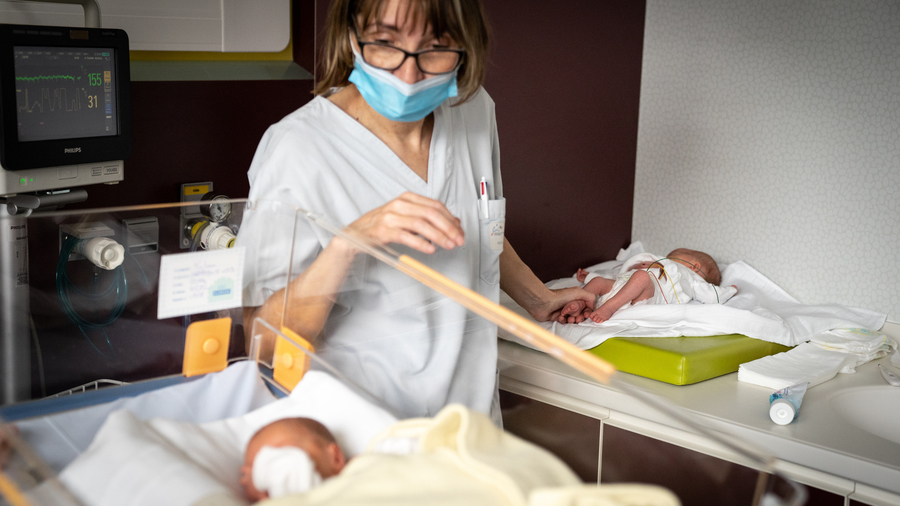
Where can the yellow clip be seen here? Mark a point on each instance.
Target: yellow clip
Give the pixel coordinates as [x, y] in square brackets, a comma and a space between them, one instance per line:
[289, 362]
[11, 492]
[206, 346]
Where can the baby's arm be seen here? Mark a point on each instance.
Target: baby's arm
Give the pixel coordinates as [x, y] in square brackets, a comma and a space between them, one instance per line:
[580, 275]
[709, 293]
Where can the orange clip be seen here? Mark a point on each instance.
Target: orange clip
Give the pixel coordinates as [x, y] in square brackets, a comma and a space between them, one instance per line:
[206, 346]
[290, 363]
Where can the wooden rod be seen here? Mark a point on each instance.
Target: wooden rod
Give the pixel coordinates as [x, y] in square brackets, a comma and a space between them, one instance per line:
[525, 329]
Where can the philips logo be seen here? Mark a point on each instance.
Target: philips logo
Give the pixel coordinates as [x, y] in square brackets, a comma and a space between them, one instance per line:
[72, 150]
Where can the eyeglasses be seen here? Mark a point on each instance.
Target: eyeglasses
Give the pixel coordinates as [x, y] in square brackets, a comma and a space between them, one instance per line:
[429, 61]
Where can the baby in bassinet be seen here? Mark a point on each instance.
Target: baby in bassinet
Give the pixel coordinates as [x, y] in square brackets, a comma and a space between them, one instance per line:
[289, 456]
[683, 275]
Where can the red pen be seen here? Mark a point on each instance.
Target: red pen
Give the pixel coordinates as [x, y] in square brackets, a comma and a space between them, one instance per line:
[485, 199]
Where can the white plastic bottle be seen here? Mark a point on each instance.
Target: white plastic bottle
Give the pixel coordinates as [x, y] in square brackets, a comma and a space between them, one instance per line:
[785, 403]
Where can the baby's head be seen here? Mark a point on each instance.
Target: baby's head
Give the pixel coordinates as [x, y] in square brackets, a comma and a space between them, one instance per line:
[699, 262]
[304, 433]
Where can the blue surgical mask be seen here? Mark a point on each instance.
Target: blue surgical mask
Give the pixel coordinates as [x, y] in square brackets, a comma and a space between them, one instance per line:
[397, 100]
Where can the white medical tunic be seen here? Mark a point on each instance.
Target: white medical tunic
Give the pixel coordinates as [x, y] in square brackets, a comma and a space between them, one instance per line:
[406, 344]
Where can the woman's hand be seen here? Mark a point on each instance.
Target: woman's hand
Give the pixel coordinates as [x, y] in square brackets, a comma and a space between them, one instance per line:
[552, 309]
[411, 220]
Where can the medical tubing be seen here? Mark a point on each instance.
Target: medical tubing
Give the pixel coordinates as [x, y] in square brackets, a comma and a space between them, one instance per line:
[135, 260]
[94, 346]
[528, 331]
[64, 285]
[195, 238]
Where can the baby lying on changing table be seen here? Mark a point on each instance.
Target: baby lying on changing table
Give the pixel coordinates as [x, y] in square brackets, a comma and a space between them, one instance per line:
[289, 456]
[683, 275]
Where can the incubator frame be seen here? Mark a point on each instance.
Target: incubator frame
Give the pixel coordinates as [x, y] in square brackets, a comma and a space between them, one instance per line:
[266, 336]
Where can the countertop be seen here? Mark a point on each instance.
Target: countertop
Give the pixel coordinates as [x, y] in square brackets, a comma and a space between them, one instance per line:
[838, 452]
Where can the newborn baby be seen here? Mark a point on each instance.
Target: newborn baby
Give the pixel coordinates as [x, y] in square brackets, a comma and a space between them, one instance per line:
[289, 456]
[683, 275]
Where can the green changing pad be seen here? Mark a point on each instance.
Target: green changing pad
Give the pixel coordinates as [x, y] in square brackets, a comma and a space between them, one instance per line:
[683, 360]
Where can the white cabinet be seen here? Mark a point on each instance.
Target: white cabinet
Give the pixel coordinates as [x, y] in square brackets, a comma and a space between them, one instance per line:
[174, 25]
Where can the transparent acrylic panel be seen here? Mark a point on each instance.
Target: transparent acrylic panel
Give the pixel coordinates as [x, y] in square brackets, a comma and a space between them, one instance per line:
[78, 325]
[25, 479]
[406, 329]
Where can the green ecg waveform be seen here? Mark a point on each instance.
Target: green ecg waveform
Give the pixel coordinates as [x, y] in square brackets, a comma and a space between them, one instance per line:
[47, 78]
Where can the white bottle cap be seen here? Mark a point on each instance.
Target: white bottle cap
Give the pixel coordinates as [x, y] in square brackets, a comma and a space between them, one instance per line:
[781, 411]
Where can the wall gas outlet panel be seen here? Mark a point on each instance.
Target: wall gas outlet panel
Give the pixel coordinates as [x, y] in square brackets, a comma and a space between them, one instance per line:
[191, 192]
[141, 235]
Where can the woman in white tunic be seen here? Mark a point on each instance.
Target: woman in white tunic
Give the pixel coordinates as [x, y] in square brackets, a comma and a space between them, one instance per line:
[397, 154]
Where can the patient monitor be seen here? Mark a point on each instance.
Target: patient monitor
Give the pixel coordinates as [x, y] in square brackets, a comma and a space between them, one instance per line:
[64, 107]
[65, 122]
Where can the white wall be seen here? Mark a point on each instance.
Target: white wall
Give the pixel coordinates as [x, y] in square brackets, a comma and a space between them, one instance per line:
[174, 25]
[770, 132]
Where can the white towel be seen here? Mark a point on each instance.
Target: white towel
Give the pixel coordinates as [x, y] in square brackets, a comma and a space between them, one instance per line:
[352, 419]
[61, 437]
[170, 462]
[285, 470]
[761, 310]
[806, 362]
[130, 462]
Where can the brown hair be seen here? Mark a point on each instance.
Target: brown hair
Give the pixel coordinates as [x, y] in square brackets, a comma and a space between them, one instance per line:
[707, 263]
[314, 428]
[462, 20]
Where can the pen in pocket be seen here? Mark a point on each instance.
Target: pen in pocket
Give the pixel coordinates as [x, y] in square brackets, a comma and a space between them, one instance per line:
[483, 189]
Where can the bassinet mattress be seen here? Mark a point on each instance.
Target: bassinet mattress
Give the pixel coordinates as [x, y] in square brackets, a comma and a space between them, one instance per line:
[683, 360]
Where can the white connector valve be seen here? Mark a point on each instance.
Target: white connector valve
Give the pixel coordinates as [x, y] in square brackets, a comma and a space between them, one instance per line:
[216, 236]
[102, 252]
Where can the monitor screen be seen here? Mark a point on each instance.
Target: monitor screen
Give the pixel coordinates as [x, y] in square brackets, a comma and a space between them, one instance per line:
[64, 93]
[64, 96]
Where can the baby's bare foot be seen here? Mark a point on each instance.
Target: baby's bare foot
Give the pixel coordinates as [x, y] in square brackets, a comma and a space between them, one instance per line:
[571, 310]
[601, 314]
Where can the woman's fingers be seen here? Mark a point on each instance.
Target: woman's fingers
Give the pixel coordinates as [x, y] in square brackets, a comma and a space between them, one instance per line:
[433, 212]
[561, 298]
[412, 220]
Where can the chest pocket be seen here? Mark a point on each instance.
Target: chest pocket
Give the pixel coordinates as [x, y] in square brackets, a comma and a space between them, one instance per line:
[492, 228]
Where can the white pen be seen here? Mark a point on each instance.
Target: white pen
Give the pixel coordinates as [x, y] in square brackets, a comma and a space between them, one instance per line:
[484, 199]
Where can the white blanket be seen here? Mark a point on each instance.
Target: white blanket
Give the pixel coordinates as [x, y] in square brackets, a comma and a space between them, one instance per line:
[463, 458]
[164, 461]
[761, 310]
[59, 438]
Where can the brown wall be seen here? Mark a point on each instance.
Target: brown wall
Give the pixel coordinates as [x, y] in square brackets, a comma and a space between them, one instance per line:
[566, 80]
[196, 131]
[565, 77]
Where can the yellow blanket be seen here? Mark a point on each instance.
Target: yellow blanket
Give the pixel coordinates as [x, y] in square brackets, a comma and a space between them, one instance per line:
[462, 458]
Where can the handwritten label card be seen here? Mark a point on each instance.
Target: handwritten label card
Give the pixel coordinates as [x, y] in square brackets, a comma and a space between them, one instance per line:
[200, 282]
